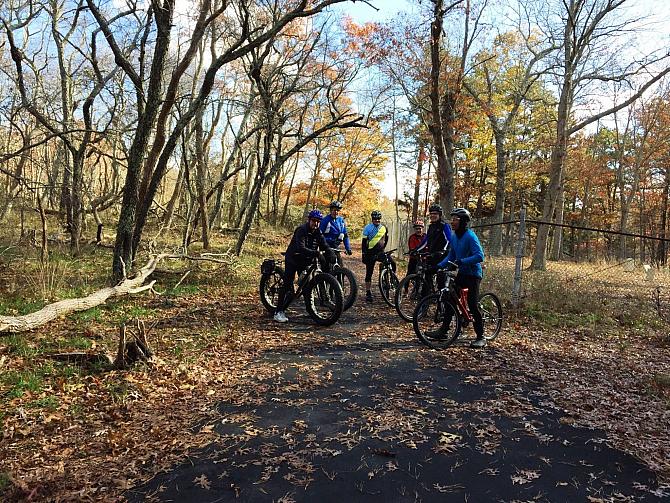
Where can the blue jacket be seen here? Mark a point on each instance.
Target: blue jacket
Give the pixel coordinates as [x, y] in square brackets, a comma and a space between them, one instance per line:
[335, 231]
[468, 251]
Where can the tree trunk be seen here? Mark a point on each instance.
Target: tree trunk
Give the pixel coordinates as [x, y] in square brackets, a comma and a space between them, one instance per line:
[282, 222]
[201, 174]
[557, 245]
[77, 206]
[495, 244]
[417, 180]
[60, 308]
[661, 254]
[558, 154]
[436, 127]
[447, 173]
[254, 202]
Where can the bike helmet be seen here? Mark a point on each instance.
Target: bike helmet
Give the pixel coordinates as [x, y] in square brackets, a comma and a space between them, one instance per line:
[315, 214]
[376, 215]
[461, 213]
[335, 204]
[435, 208]
[418, 223]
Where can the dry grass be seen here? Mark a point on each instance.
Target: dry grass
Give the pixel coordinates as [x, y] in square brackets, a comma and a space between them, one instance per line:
[599, 294]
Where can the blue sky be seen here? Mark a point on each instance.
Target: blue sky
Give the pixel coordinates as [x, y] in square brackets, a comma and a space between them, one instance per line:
[362, 12]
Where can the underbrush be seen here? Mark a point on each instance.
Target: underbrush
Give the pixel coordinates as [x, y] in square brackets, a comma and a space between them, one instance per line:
[596, 297]
[28, 377]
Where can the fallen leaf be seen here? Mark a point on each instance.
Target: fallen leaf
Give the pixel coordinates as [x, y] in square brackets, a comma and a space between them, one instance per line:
[203, 482]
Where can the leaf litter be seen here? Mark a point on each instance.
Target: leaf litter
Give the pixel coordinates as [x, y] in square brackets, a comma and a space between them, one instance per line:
[128, 426]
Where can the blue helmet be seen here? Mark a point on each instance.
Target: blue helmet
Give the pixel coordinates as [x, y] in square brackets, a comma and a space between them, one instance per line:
[315, 214]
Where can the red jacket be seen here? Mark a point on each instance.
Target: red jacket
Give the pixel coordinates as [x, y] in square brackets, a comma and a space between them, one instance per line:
[414, 241]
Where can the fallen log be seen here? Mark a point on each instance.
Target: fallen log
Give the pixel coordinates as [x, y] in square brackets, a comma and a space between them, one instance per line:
[128, 286]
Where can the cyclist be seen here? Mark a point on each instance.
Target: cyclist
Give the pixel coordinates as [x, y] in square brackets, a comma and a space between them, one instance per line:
[375, 237]
[307, 243]
[413, 243]
[334, 229]
[437, 238]
[467, 253]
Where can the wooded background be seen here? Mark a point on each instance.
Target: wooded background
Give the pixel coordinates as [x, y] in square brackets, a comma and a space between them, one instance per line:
[163, 117]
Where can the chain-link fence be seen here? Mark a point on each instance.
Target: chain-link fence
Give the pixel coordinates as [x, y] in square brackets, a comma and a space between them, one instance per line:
[590, 275]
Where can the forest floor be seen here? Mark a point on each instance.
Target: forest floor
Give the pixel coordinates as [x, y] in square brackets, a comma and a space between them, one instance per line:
[236, 407]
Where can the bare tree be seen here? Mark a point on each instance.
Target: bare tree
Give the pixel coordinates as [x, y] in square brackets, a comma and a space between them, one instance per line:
[34, 96]
[248, 25]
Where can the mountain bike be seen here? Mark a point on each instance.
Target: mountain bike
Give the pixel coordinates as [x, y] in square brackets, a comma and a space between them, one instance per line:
[414, 287]
[440, 317]
[388, 280]
[321, 291]
[344, 276]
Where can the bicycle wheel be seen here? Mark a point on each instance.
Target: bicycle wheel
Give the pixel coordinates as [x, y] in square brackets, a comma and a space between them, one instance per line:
[409, 292]
[436, 322]
[347, 280]
[269, 288]
[388, 284]
[323, 299]
[491, 309]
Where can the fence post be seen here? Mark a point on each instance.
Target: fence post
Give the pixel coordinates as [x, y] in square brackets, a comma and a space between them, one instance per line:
[516, 288]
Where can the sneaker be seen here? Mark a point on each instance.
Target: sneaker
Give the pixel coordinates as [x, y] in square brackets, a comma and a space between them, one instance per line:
[435, 334]
[280, 317]
[480, 342]
[368, 296]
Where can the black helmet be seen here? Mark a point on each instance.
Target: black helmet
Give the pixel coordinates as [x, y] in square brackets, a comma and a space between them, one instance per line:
[376, 215]
[461, 213]
[435, 208]
[335, 204]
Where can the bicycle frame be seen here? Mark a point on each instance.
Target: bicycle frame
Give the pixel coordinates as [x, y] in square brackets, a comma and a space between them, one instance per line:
[384, 258]
[303, 278]
[458, 296]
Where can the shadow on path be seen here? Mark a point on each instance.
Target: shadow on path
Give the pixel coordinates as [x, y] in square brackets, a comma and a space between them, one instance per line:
[334, 426]
[382, 419]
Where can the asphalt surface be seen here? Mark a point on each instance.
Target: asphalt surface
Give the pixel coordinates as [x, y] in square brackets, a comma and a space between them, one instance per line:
[369, 415]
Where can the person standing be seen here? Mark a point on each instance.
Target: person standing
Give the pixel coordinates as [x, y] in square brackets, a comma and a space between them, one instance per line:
[413, 243]
[467, 253]
[334, 228]
[375, 237]
[437, 238]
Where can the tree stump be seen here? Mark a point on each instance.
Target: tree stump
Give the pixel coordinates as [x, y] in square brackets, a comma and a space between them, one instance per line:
[133, 346]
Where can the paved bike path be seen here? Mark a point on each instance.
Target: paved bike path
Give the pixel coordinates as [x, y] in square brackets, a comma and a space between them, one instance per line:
[361, 412]
[350, 421]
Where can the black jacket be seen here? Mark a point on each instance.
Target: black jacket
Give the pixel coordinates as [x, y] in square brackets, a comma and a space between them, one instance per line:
[305, 244]
[436, 240]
